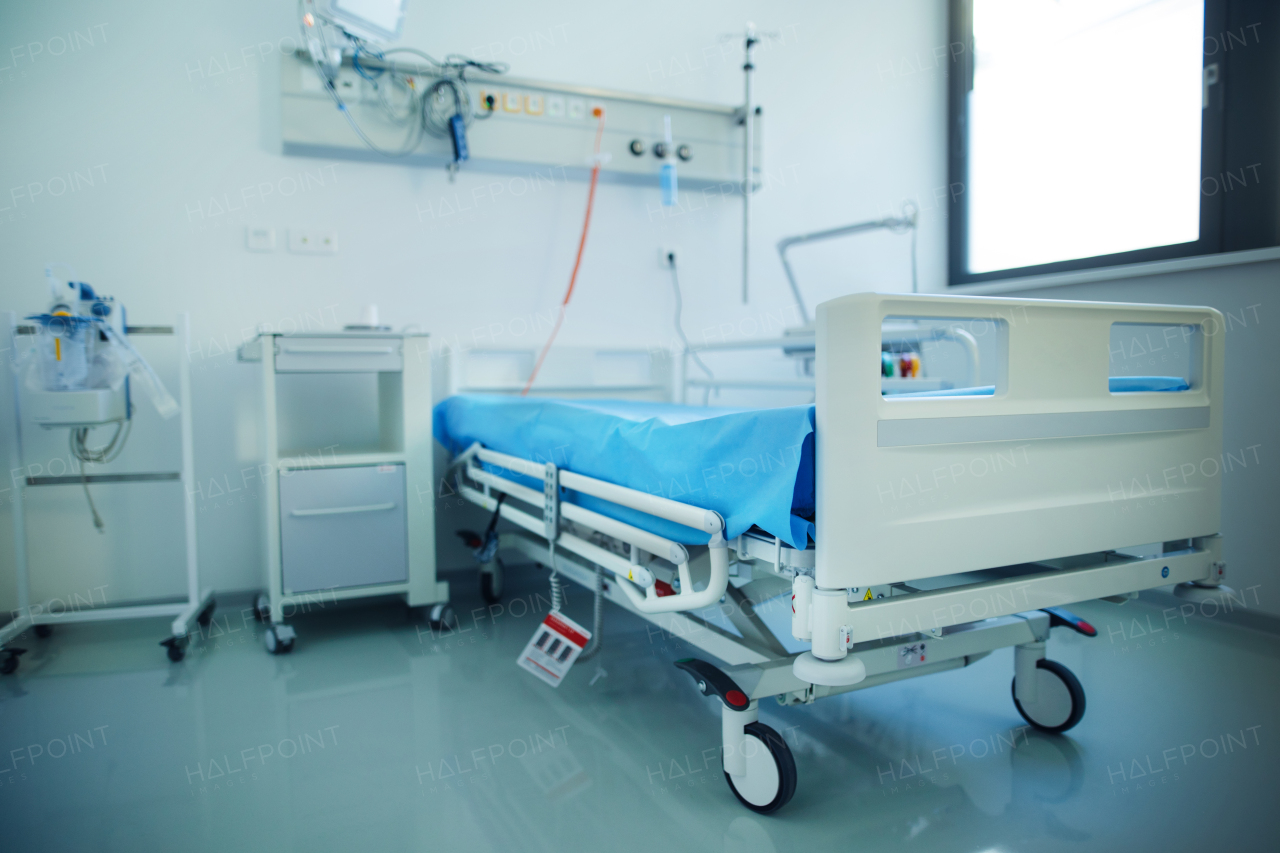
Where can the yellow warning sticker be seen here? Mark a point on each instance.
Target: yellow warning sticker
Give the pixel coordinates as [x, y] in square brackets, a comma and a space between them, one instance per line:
[867, 597]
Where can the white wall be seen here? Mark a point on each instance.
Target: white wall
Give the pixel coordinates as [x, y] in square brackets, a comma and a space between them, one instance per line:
[854, 109]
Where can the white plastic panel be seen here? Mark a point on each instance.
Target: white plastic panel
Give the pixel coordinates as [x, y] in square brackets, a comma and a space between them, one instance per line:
[1052, 464]
[343, 527]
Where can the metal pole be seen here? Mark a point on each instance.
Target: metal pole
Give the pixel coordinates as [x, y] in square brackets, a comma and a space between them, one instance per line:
[16, 463]
[747, 155]
[908, 220]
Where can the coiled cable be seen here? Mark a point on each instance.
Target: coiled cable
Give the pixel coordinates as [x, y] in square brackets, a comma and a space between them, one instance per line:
[77, 440]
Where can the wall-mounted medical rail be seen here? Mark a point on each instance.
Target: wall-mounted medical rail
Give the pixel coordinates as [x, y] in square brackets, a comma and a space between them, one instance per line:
[539, 132]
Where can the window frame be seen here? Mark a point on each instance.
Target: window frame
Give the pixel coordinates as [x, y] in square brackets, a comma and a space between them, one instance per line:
[960, 83]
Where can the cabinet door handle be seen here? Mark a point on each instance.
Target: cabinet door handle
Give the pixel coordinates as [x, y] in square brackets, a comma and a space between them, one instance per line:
[341, 510]
[322, 350]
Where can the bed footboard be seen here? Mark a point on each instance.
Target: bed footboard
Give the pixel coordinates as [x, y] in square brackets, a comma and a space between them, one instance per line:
[1051, 458]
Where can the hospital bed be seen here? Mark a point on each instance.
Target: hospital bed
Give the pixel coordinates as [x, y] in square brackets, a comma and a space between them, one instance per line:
[914, 533]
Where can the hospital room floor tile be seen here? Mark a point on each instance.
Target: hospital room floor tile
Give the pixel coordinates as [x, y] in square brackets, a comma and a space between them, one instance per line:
[377, 735]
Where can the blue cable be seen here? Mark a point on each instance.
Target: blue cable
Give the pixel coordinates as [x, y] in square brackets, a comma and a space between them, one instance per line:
[355, 63]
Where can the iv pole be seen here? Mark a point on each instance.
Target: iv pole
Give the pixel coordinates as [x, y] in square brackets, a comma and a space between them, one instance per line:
[748, 178]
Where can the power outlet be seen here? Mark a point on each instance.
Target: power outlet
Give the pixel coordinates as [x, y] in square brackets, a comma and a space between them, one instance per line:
[304, 241]
[664, 252]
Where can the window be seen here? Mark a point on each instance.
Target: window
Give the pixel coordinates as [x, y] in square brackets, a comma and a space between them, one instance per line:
[1089, 133]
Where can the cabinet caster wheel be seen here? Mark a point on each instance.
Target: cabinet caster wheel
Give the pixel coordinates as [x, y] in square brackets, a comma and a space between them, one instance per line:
[44, 631]
[262, 607]
[1059, 701]
[279, 639]
[175, 648]
[491, 583]
[206, 615]
[9, 665]
[442, 618]
[770, 781]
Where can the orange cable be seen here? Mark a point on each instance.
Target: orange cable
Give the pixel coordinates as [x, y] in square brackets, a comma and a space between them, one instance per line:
[573, 279]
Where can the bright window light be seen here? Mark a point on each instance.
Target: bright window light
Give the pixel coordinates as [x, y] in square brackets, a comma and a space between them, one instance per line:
[1084, 129]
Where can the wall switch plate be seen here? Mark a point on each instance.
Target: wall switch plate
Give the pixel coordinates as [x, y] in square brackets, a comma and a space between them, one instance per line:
[260, 239]
[304, 241]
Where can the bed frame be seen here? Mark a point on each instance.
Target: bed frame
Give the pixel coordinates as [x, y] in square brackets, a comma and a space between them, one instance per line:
[897, 589]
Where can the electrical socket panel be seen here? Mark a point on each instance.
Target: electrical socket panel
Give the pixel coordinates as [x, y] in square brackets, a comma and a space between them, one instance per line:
[305, 241]
[260, 238]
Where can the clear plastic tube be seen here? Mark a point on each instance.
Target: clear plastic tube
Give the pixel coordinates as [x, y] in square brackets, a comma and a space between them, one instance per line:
[143, 376]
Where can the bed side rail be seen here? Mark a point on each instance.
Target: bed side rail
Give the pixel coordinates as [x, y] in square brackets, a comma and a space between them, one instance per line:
[633, 576]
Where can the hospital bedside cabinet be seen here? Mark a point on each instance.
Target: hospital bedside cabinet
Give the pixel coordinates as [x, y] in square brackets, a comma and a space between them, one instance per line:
[349, 498]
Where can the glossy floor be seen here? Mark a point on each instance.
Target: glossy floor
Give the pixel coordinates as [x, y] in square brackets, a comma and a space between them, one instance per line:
[376, 735]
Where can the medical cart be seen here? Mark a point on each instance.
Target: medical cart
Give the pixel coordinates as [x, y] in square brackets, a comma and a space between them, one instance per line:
[349, 501]
[196, 606]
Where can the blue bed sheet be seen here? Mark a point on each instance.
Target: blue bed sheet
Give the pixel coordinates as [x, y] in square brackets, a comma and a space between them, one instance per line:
[753, 466]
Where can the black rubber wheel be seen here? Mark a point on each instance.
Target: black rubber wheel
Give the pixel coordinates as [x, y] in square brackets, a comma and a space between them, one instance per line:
[175, 652]
[1061, 699]
[44, 631]
[442, 618]
[771, 771]
[9, 665]
[274, 644]
[206, 615]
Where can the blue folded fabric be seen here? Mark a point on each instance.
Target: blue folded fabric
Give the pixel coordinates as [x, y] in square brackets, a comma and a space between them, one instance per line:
[753, 466]
[1116, 384]
[1125, 384]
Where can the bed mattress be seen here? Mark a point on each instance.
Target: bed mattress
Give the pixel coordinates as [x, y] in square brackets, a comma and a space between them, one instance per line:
[753, 466]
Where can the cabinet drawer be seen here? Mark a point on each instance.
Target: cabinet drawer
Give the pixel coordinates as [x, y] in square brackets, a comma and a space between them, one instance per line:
[338, 355]
[343, 527]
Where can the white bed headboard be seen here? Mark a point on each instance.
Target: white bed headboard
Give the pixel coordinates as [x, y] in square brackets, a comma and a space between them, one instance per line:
[1052, 464]
[567, 372]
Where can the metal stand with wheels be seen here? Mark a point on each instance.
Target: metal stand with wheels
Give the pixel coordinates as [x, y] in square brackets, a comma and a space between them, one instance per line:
[346, 521]
[196, 607]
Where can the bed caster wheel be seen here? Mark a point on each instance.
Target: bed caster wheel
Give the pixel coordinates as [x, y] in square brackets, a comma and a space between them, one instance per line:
[770, 780]
[44, 632]
[279, 639]
[1059, 701]
[175, 648]
[442, 618]
[491, 584]
[9, 665]
[206, 615]
[262, 608]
